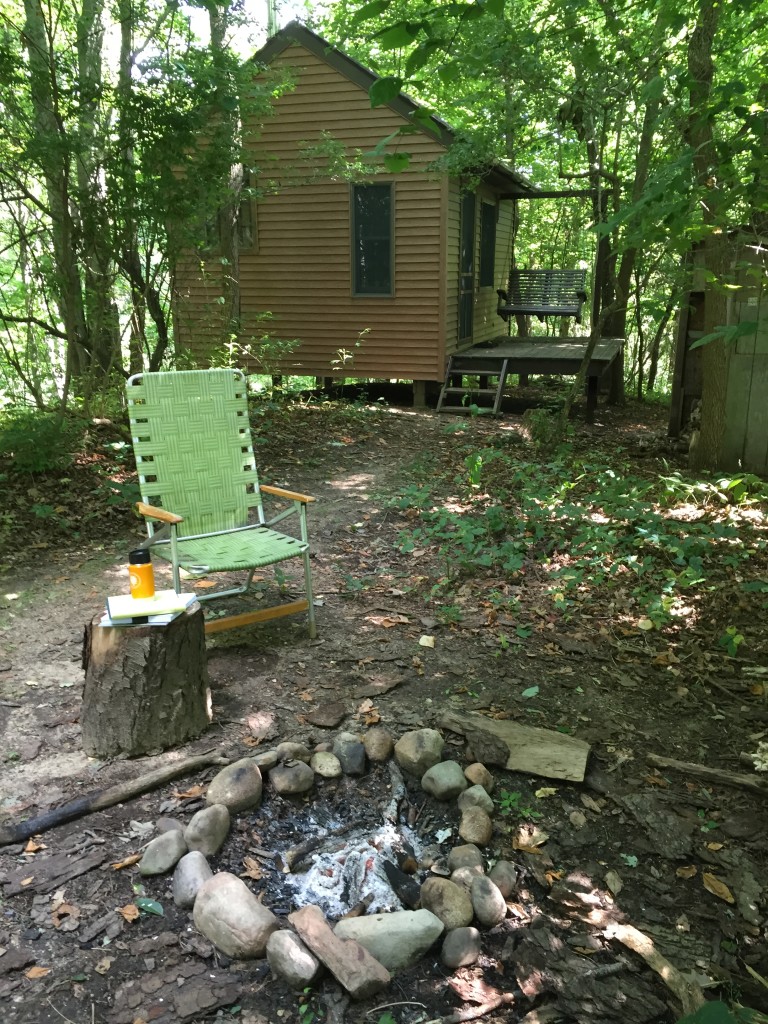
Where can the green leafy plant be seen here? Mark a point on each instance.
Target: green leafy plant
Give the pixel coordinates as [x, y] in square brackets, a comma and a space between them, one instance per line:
[720, 1013]
[731, 641]
[309, 1007]
[38, 441]
[511, 803]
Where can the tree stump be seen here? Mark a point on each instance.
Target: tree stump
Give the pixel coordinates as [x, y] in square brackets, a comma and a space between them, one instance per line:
[146, 687]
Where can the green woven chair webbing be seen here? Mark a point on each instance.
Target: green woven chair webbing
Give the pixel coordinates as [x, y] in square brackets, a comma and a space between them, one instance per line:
[193, 450]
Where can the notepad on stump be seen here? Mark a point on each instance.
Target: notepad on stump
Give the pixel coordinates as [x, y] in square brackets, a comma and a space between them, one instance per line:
[123, 607]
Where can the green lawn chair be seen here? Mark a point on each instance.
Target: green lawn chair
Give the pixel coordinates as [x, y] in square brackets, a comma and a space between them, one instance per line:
[199, 486]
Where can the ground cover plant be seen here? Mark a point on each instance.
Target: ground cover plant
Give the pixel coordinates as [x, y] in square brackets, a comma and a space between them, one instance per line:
[590, 527]
[598, 590]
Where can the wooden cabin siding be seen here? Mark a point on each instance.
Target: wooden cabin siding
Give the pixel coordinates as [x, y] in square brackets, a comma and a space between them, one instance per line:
[451, 269]
[198, 320]
[300, 269]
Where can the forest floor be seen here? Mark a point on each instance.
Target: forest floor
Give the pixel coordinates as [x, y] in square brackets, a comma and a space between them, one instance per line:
[682, 675]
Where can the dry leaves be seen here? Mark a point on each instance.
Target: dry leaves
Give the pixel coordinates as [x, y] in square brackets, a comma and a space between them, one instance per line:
[688, 871]
[388, 621]
[655, 780]
[65, 913]
[426, 641]
[614, 882]
[713, 884]
[369, 712]
[37, 972]
[189, 794]
[252, 869]
[129, 912]
[33, 847]
[104, 964]
[129, 861]
[27, 881]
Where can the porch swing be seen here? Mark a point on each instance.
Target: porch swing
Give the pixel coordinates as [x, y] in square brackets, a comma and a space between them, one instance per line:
[541, 292]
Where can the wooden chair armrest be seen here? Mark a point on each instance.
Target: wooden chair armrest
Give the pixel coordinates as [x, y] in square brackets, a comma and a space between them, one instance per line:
[153, 512]
[280, 492]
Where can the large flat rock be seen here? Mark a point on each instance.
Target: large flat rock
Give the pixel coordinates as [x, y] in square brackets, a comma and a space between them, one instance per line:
[521, 748]
[349, 962]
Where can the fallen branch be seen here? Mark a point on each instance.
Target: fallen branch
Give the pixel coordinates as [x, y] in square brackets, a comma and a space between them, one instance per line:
[104, 798]
[687, 993]
[475, 1012]
[701, 771]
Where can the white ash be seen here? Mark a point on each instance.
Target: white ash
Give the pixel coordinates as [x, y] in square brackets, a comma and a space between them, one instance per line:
[340, 878]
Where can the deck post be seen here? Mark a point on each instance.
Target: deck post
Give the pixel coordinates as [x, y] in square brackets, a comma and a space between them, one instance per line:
[419, 394]
[593, 387]
[616, 390]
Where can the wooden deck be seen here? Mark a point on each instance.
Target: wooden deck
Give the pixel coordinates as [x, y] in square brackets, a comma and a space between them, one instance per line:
[523, 356]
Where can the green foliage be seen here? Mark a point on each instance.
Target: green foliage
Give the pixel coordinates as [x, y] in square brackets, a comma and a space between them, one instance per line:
[585, 523]
[310, 1008]
[37, 441]
[720, 1013]
[731, 641]
[511, 803]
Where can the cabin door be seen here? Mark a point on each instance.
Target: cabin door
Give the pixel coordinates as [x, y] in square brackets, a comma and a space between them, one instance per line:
[467, 266]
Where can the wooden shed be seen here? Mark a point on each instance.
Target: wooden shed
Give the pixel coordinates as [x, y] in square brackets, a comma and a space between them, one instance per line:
[380, 275]
[735, 404]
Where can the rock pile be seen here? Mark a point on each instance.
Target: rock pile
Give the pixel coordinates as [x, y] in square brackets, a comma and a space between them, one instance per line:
[455, 898]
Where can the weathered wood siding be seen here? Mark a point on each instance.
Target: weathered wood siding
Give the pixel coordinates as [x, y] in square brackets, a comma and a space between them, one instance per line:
[300, 267]
[451, 269]
[745, 440]
[197, 312]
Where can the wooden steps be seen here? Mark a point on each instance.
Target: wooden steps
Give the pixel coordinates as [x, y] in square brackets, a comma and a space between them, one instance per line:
[456, 368]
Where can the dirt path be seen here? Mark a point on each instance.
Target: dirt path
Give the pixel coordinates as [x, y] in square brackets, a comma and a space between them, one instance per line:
[633, 826]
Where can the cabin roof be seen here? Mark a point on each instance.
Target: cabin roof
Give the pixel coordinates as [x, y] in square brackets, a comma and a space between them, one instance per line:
[498, 174]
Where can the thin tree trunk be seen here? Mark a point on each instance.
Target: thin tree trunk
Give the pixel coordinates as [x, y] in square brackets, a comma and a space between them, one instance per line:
[94, 226]
[54, 146]
[706, 453]
[655, 347]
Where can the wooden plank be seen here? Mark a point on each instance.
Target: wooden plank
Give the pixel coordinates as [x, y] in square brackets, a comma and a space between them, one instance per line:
[521, 748]
[756, 440]
[248, 618]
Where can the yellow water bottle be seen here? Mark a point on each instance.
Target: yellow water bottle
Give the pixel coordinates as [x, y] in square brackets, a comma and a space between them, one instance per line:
[141, 574]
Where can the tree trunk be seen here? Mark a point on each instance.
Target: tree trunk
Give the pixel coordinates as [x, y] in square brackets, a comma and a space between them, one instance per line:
[98, 270]
[53, 148]
[706, 451]
[146, 687]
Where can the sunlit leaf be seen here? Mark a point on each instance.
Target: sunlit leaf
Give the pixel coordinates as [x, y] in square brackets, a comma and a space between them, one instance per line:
[150, 906]
[385, 89]
[713, 884]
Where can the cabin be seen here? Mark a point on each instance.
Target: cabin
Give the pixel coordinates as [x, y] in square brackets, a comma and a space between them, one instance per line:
[736, 404]
[379, 274]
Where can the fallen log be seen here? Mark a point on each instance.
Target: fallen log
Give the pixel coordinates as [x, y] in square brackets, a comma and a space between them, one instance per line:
[687, 993]
[702, 771]
[103, 798]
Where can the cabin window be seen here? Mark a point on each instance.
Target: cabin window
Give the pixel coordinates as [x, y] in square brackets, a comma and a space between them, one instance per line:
[372, 237]
[487, 245]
